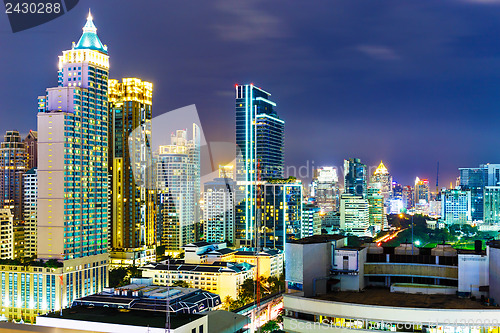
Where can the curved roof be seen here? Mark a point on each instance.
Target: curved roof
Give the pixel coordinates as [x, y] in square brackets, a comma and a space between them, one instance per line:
[89, 39]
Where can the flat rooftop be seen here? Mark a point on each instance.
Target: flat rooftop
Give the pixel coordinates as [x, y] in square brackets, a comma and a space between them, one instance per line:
[383, 297]
[124, 317]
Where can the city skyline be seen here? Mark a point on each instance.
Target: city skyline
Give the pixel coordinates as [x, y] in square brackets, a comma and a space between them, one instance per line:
[418, 108]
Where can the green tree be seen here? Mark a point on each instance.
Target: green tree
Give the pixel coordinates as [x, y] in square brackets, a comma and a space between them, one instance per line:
[270, 326]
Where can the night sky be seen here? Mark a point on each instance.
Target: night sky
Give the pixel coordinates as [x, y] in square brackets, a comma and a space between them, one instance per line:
[408, 82]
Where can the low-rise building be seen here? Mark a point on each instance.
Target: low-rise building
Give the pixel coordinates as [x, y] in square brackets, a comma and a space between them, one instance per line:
[222, 278]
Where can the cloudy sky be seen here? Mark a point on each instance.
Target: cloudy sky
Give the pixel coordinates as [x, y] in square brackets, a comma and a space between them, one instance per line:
[407, 82]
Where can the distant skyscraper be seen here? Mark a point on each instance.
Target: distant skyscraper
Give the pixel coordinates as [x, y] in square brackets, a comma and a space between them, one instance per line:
[13, 163]
[326, 189]
[30, 190]
[178, 183]
[132, 210]
[355, 177]
[354, 214]
[73, 156]
[422, 193]
[281, 209]
[31, 144]
[382, 176]
[408, 197]
[376, 212]
[260, 140]
[474, 180]
[218, 213]
[397, 190]
[492, 205]
[456, 206]
[493, 171]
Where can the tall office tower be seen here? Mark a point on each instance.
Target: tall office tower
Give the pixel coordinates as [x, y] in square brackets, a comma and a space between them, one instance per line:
[30, 186]
[355, 177]
[326, 189]
[354, 214]
[376, 213]
[218, 213]
[311, 221]
[408, 197]
[456, 206]
[13, 163]
[178, 179]
[73, 148]
[260, 141]
[6, 234]
[31, 144]
[492, 205]
[382, 176]
[422, 193]
[474, 180]
[132, 211]
[280, 212]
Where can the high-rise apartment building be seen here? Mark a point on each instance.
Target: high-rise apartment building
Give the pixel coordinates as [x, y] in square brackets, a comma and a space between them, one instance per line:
[178, 183]
[31, 145]
[218, 212]
[13, 163]
[456, 206]
[408, 197]
[311, 221]
[30, 192]
[355, 177]
[132, 201]
[260, 155]
[354, 214]
[382, 176]
[325, 188]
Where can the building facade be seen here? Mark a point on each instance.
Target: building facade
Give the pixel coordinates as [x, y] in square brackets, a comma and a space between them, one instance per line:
[178, 184]
[422, 193]
[474, 180]
[311, 221]
[354, 214]
[325, 189]
[218, 212]
[382, 176]
[31, 144]
[30, 193]
[260, 154]
[6, 234]
[355, 177]
[13, 163]
[132, 201]
[456, 207]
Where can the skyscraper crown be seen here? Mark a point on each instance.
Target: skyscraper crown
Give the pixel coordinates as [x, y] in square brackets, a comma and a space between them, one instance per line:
[381, 169]
[89, 39]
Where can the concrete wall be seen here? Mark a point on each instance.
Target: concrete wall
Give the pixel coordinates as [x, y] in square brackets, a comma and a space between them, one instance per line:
[494, 274]
[473, 272]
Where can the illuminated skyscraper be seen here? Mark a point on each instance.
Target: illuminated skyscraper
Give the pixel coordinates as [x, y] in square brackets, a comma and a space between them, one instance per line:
[376, 200]
[326, 189]
[422, 193]
[178, 183]
[474, 180]
[408, 197]
[73, 154]
[218, 212]
[492, 205]
[382, 176]
[13, 163]
[355, 177]
[260, 140]
[456, 206]
[132, 203]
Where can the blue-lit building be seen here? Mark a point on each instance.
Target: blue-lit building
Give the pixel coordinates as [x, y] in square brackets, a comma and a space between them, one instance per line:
[474, 180]
[260, 155]
[355, 177]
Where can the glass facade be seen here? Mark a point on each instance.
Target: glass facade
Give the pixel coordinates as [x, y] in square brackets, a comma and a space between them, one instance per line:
[474, 180]
[355, 177]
